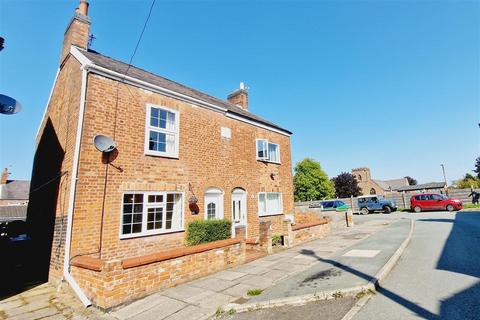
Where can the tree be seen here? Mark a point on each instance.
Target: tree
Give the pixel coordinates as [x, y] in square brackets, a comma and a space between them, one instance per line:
[346, 185]
[477, 167]
[311, 182]
[411, 181]
[468, 182]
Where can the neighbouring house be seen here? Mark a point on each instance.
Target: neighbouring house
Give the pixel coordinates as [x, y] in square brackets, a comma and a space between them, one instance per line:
[13, 198]
[13, 192]
[374, 186]
[439, 187]
[108, 222]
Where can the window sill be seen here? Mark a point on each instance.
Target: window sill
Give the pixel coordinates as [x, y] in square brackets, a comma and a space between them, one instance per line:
[268, 161]
[161, 155]
[269, 214]
[142, 235]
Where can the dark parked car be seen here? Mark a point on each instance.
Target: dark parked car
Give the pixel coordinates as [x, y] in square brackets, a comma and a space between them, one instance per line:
[433, 201]
[367, 204]
[331, 205]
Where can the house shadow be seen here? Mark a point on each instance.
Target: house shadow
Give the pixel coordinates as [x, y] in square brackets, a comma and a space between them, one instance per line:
[26, 264]
[460, 254]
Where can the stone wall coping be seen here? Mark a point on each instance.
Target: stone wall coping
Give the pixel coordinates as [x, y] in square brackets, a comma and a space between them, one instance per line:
[252, 241]
[176, 253]
[89, 263]
[308, 225]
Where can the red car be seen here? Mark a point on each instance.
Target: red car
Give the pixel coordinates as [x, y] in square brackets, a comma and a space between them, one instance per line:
[433, 201]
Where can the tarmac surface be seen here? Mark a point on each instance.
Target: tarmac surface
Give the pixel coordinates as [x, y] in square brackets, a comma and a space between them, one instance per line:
[438, 276]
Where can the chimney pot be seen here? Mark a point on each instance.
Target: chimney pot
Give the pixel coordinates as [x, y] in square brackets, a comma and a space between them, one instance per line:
[83, 7]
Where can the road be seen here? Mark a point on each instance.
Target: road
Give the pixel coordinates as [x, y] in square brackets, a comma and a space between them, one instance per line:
[437, 276]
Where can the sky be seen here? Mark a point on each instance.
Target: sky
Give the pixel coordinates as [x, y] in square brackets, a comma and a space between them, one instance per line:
[391, 85]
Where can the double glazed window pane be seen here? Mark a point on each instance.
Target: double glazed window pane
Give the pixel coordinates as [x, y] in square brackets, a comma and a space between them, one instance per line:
[262, 149]
[273, 152]
[269, 203]
[162, 134]
[132, 213]
[162, 119]
[267, 151]
[143, 214]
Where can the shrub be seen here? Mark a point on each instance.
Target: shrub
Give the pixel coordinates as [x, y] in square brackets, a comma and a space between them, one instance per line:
[276, 240]
[203, 231]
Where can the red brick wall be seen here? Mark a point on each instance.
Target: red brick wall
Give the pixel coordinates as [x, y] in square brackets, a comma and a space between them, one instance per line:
[115, 285]
[205, 160]
[55, 142]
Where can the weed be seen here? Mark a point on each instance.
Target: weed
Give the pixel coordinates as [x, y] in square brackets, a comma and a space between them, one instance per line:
[219, 312]
[231, 312]
[337, 295]
[254, 292]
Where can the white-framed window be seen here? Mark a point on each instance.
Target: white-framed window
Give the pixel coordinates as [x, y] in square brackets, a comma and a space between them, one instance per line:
[267, 151]
[161, 131]
[213, 204]
[150, 213]
[270, 203]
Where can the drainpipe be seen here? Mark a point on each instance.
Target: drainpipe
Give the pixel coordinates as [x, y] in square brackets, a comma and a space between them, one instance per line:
[71, 200]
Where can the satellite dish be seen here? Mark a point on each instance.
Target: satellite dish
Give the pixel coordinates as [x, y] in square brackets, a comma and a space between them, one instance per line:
[9, 105]
[104, 143]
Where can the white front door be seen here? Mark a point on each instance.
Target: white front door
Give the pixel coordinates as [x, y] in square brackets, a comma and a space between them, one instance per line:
[239, 209]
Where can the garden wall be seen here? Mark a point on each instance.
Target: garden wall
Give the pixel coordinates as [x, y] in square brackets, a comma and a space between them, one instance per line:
[115, 282]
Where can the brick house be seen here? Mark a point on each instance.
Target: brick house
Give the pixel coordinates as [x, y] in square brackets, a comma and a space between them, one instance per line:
[180, 155]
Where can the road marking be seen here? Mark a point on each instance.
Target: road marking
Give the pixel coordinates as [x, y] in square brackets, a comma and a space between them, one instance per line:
[361, 253]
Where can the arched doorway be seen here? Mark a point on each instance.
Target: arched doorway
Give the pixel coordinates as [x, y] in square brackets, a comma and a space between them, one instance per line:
[239, 209]
[213, 204]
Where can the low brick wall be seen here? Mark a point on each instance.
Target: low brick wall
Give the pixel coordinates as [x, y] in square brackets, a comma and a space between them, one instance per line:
[300, 233]
[308, 232]
[121, 281]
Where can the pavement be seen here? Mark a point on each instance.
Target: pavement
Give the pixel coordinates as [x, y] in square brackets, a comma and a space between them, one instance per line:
[313, 266]
[351, 267]
[49, 303]
[438, 275]
[217, 293]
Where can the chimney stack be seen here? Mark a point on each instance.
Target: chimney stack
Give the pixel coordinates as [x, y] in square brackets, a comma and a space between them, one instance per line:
[239, 97]
[78, 30]
[4, 178]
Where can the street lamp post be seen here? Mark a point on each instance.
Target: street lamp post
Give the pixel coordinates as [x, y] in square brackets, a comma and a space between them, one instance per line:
[444, 178]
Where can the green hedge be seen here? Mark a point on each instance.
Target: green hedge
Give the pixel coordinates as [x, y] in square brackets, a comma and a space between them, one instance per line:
[202, 231]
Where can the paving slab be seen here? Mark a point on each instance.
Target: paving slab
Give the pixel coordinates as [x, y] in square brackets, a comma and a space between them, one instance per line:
[161, 310]
[182, 292]
[338, 271]
[238, 290]
[214, 284]
[229, 275]
[190, 312]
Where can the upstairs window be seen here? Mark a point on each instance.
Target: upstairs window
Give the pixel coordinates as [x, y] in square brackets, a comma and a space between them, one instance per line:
[161, 132]
[270, 203]
[267, 151]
